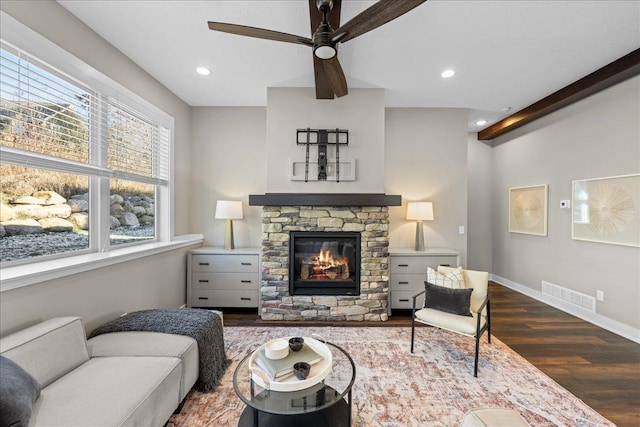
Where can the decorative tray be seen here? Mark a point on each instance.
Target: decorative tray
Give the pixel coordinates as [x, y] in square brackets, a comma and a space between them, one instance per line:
[319, 370]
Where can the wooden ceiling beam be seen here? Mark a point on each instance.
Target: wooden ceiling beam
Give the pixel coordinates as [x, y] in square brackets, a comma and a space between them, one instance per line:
[619, 70]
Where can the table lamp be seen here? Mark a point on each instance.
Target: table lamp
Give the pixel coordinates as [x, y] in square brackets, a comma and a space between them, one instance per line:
[228, 210]
[420, 211]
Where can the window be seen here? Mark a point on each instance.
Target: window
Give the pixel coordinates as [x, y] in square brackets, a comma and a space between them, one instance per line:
[82, 169]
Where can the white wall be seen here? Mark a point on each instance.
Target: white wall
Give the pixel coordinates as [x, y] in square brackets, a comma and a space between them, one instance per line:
[426, 160]
[361, 112]
[228, 163]
[596, 137]
[156, 281]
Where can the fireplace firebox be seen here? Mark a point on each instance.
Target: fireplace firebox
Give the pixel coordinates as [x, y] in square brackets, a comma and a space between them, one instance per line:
[324, 263]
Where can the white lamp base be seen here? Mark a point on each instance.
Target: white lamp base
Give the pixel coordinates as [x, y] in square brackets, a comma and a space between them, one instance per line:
[419, 236]
[228, 234]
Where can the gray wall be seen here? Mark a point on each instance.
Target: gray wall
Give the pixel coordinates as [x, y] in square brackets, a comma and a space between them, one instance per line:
[596, 137]
[155, 281]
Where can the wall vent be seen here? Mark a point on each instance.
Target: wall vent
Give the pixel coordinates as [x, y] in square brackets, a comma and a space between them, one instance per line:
[586, 302]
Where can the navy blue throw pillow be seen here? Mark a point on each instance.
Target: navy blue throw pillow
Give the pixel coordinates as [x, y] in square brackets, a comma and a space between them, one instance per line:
[18, 391]
[454, 301]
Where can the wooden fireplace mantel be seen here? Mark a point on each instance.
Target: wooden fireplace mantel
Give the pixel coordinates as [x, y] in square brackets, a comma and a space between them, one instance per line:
[324, 199]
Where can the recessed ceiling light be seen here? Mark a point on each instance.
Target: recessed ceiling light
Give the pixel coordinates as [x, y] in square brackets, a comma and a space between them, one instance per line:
[505, 109]
[447, 73]
[481, 122]
[203, 71]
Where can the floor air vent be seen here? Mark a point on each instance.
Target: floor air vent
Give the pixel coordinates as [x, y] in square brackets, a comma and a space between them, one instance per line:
[578, 299]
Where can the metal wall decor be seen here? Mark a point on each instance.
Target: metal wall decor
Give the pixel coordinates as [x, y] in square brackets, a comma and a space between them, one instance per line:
[322, 138]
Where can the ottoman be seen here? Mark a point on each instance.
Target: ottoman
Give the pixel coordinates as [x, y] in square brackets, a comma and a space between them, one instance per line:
[493, 417]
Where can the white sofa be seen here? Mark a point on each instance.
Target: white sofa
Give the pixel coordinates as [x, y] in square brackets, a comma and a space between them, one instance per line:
[117, 379]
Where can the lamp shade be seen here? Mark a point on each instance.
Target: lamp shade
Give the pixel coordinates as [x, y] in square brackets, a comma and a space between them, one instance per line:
[420, 211]
[227, 209]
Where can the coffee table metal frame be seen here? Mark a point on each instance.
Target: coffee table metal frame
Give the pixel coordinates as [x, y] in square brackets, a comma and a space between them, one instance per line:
[325, 399]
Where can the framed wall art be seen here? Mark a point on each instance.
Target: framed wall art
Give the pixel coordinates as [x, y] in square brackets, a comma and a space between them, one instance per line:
[528, 210]
[607, 210]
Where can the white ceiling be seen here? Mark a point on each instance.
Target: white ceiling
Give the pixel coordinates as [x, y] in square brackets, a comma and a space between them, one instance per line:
[507, 54]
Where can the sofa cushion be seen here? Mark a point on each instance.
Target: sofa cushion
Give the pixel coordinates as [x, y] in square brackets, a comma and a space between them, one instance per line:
[454, 301]
[18, 391]
[112, 391]
[151, 344]
[49, 349]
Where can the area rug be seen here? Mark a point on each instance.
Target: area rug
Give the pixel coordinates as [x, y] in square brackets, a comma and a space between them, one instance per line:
[434, 386]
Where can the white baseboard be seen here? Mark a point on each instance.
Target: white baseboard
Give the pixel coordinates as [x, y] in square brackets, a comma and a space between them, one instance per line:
[610, 325]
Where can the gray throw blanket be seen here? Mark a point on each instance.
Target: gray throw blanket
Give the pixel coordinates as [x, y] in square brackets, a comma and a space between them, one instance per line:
[202, 325]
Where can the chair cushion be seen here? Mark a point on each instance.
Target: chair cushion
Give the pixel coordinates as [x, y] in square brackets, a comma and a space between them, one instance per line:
[454, 301]
[451, 279]
[452, 322]
[18, 391]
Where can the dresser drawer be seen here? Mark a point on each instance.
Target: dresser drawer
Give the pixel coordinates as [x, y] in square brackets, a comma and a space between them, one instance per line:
[229, 281]
[224, 298]
[419, 264]
[403, 300]
[233, 263]
[407, 282]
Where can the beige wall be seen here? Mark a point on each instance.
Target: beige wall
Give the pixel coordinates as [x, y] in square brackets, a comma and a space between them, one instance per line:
[479, 204]
[596, 137]
[426, 160]
[155, 281]
[228, 163]
[362, 113]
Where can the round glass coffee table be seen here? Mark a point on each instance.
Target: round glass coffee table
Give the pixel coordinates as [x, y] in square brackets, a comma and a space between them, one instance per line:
[327, 403]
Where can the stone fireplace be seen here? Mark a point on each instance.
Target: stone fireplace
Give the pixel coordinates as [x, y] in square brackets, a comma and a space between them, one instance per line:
[370, 302]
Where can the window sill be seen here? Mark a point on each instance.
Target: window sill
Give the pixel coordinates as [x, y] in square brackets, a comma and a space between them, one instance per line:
[29, 274]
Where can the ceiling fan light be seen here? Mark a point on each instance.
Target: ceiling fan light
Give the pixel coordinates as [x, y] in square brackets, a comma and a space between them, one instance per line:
[325, 52]
[448, 73]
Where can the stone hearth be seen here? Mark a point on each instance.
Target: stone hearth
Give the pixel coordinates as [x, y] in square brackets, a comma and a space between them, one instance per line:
[373, 224]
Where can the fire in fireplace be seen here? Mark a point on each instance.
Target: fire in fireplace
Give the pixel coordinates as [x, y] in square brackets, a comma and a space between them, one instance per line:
[324, 263]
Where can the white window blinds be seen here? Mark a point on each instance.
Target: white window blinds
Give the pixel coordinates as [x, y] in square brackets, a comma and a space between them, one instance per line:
[46, 112]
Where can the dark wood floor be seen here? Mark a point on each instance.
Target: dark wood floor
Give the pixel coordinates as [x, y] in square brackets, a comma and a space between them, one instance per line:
[601, 368]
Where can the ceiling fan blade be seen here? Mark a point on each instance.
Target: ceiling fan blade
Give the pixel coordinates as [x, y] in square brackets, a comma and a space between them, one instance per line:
[259, 33]
[323, 86]
[335, 75]
[379, 14]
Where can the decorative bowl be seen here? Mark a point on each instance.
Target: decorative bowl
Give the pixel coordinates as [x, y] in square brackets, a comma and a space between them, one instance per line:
[276, 349]
[301, 370]
[296, 343]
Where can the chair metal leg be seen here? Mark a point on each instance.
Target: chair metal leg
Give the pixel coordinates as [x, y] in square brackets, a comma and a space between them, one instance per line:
[413, 331]
[475, 366]
[489, 321]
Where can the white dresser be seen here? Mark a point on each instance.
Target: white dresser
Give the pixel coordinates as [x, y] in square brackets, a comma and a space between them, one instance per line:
[408, 271]
[223, 278]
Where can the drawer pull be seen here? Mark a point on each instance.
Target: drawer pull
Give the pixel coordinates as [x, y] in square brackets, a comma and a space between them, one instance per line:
[203, 263]
[203, 297]
[403, 265]
[245, 263]
[403, 300]
[245, 281]
[445, 265]
[403, 283]
[245, 298]
[203, 281]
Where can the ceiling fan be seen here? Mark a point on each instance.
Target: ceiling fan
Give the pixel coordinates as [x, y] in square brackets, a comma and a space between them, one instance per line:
[325, 16]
